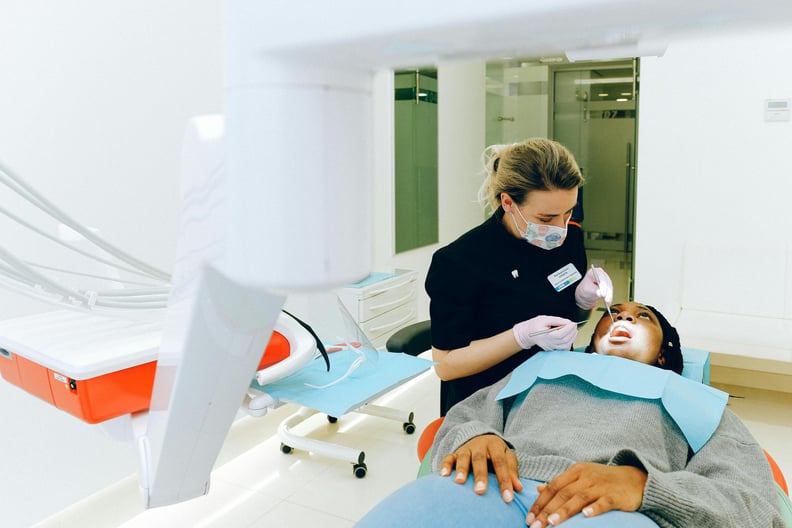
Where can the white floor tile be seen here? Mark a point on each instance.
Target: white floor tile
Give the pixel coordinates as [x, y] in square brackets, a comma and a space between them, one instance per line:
[225, 506]
[341, 493]
[266, 470]
[289, 515]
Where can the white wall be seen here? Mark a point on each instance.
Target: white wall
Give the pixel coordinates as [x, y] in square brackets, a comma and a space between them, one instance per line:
[94, 97]
[713, 172]
[461, 127]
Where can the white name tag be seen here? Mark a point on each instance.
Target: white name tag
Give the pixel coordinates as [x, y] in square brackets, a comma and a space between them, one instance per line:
[564, 277]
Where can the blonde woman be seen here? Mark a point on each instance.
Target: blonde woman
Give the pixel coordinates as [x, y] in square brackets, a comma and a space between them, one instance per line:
[496, 289]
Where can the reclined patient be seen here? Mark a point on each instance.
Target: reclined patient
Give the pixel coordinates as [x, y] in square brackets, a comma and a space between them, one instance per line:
[594, 440]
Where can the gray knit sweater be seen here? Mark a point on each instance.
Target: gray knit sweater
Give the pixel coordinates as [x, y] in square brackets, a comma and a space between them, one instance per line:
[554, 424]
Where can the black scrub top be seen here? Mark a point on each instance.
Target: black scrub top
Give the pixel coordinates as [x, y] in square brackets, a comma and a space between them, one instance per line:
[488, 280]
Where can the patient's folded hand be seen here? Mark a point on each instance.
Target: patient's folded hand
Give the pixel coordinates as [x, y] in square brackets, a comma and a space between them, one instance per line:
[480, 452]
[589, 488]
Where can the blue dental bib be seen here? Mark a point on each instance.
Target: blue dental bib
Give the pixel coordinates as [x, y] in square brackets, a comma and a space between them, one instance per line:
[696, 408]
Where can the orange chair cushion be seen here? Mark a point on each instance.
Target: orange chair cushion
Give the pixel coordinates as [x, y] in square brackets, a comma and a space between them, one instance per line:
[277, 350]
[427, 437]
[777, 475]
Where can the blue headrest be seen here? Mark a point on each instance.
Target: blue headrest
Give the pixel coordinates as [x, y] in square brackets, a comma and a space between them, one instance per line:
[696, 364]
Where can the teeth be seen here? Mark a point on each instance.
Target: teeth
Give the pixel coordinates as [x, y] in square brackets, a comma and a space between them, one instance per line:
[620, 332]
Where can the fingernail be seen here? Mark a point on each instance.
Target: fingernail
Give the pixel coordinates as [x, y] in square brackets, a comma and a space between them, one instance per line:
[587, 511]
[537, 524]
[530, 518]
[460, 477]
[508, 496]
[444, 472]
[480, 486]
[553, 519]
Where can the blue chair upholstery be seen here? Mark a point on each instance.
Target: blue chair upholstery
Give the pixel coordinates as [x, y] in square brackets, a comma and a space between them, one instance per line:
[696, 364]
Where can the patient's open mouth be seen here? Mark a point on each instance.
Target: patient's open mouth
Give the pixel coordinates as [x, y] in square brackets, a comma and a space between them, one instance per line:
[620, 333]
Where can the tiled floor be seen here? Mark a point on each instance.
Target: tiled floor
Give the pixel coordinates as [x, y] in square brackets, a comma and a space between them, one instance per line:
[255, 485]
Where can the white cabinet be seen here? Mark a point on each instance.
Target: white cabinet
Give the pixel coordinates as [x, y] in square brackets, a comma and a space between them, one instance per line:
[382, 303]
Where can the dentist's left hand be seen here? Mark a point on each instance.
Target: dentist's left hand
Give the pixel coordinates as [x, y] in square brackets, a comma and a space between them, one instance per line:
[595, 285]
[477, 452]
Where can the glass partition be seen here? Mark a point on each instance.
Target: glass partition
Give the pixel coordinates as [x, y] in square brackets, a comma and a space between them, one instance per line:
[415, 158]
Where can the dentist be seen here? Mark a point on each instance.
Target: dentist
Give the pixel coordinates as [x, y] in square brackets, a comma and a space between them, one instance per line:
[497, 290]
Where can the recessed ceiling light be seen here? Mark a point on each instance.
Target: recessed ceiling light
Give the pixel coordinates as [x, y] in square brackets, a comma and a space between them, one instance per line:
[605, 80]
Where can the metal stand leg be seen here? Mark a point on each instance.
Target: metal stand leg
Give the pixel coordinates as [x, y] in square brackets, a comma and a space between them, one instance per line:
[291, 440]
[391, 414]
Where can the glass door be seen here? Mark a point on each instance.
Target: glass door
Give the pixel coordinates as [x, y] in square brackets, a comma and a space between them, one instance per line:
[590, 107]
[594, 115]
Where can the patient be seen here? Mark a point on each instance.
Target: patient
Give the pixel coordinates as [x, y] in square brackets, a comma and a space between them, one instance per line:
[594, 441]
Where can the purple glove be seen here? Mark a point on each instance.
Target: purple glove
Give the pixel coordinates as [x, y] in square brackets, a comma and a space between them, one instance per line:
[559, 339]
[594, 286]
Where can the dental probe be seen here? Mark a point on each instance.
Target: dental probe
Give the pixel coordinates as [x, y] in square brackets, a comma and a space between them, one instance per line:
[553, 329]
[607, 306]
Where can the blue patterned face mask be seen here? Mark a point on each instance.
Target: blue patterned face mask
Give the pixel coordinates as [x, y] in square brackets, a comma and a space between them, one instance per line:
[542, 235]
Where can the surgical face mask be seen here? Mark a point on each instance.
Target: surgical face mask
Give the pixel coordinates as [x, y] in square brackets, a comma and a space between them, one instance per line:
[542, 235]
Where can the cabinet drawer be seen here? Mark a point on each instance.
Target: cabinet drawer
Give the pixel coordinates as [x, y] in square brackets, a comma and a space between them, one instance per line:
[386, 301]
[390, 321]
[380, 297]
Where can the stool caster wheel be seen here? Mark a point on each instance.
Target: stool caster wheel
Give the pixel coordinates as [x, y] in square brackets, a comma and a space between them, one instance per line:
[286, 449]
[359, 470]
[408, 427]
[332, 419]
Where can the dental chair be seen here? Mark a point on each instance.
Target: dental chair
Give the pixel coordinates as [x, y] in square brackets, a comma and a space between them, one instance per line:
[417, 338]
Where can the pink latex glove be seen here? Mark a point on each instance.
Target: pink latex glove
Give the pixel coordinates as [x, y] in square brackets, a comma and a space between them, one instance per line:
[560, 339]
[594, 286]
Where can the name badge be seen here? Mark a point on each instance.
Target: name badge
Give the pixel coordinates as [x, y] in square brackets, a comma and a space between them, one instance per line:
[564, 277]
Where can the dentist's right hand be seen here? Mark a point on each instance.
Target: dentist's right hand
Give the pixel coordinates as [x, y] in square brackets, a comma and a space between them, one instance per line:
[559, 339]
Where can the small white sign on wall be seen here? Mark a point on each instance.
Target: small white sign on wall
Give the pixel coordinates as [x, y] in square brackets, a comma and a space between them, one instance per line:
[777, 109]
